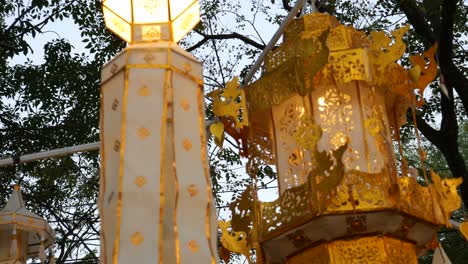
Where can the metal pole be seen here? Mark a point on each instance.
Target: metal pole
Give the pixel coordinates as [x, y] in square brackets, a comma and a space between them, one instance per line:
[49, 154]
[273, 41]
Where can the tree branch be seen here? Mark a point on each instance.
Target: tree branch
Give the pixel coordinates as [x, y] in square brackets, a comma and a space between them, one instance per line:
[429, 132]
[454, 77]
[233, 35]
[286, 5]
[418, 20]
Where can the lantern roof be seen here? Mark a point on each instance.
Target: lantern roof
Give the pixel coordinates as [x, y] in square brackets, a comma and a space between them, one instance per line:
[15, 214]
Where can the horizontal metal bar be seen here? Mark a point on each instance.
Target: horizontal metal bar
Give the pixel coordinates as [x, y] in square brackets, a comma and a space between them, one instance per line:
[50, 154]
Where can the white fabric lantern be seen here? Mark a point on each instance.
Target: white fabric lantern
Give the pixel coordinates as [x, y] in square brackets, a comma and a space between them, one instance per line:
[155, 197]
[23, 234]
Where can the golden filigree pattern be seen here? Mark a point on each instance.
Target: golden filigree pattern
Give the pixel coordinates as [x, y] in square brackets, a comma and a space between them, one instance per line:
[292, 126]
[427, 74]
[307, 133]
[230, 102]
[335, 109]
[368, 250]
[234, 241]
[292, 206]
[383, 52]
[447, 194]
[415, 199]
[303, 118]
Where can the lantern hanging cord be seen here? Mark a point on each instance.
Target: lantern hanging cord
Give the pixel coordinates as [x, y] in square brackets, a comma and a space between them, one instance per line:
[294, 11]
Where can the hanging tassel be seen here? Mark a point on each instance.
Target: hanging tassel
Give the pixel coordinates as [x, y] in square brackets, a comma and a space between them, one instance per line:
[14, 243]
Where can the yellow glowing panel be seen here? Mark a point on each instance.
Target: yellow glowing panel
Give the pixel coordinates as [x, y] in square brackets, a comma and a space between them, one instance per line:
[119, 7]
[117, 25]
[150, 11]
[185, 22]
[179, 6]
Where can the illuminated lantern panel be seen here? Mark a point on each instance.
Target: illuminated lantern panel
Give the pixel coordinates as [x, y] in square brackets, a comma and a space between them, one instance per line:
[151, 20]
[155, 197]
[323, 114]
[23, 234]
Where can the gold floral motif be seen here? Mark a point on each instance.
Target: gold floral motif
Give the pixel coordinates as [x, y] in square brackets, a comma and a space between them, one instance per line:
[116, 145]
[187, 144]
[144, 91]
[114, 68]
[193, 246]
[140, 181]
[184, 103]
[115, 104]
[149, 58]
[193, 190]
[137, 239]
[187, 67]
[143, 133]
[149, 6]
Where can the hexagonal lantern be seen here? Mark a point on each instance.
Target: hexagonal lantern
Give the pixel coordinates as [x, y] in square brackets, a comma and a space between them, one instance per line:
[155, 197]
[323, 114]
[149, 20]
[23, 234]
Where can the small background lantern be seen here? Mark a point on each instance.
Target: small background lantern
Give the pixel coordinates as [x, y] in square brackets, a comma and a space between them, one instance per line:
[155, 192]
[23, 234]
[323, 113]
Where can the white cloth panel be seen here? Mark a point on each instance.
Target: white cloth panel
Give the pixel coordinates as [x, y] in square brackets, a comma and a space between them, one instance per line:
[111, 114]
[194, 195]
[155, 198]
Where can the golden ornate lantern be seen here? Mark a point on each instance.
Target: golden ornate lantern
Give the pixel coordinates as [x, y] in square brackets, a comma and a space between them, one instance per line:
[155, 192]
[323, 113]
[23, 234]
